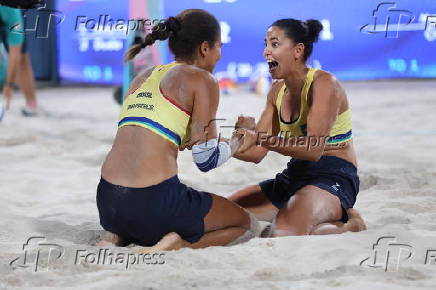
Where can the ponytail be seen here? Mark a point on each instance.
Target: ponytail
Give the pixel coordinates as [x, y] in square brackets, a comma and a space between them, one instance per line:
[161, 31]
[185, 32]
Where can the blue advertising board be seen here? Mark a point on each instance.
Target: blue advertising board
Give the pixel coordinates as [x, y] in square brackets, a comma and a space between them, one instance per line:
[361, 39]
[91, 41]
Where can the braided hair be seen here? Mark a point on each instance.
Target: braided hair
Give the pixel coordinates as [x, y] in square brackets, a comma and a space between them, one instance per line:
[185, 32]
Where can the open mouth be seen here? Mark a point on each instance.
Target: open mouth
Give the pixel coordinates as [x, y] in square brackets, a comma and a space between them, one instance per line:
[272, 65]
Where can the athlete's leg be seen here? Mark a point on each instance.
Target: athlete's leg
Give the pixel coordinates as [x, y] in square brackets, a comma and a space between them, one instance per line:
[355, 223]
[255, 201]
[225, 223]
[308, 207]
[26, 80]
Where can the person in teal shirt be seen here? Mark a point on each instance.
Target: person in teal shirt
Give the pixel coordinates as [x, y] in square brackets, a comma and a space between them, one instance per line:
[18, 66]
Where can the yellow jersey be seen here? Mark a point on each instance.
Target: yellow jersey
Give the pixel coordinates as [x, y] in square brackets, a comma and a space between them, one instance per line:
[341, 131]
[149, 108]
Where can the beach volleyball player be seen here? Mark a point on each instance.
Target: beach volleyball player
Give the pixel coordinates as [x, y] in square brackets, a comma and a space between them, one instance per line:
[307, 117]
[167, 108]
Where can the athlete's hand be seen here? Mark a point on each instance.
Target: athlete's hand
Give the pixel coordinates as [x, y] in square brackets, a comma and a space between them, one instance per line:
[7, 92]
[249, 139]
[245, 122]
[186, 146]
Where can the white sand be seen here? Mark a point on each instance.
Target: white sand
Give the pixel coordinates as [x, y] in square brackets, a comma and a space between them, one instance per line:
[49, 170]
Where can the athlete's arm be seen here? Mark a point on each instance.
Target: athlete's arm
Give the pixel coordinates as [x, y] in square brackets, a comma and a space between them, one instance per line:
[321, 118]
[208, 150]
[265, 126]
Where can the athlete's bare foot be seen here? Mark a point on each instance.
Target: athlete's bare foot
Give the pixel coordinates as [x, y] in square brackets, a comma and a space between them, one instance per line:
[171, 241]
[110, 239]
[355, 221]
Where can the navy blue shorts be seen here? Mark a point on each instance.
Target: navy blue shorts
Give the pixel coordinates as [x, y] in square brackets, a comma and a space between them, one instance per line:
[333, 174]
[144, 215]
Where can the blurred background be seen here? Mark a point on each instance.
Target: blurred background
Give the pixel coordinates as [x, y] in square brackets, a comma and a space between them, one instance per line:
[83, 42]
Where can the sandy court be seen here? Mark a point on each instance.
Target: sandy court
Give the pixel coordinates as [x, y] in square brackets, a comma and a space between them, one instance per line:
[50, 167]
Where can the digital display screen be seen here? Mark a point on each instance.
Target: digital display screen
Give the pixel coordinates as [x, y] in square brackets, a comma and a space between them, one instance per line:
[91, 41]
[361, 39]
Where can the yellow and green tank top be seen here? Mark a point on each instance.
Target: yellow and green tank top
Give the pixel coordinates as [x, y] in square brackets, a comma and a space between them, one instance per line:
[149, 108]
[341, 131]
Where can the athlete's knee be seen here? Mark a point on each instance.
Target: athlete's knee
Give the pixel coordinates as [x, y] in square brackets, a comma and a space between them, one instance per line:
[289, 231]
[283, 227]
[245, 221]
[247, 197]
[250, 230]
[248, 221]
[235, 197]
[238, 195]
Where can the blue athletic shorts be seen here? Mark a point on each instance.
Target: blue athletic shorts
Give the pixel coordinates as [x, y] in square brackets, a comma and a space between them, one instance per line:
[144, 215]
[333, 174]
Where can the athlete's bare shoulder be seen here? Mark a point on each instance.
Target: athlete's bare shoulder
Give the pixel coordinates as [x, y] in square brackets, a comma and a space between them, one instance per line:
[195, 75]
[325, 82]
[325, 78]
[143, 75]
[274, 90]
[139, 80]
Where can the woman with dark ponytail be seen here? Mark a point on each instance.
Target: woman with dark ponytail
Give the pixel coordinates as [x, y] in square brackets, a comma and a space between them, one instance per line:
[307, 117]
[170, 107]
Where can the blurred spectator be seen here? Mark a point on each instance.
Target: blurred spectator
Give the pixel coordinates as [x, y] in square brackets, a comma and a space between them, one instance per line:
[19, 67]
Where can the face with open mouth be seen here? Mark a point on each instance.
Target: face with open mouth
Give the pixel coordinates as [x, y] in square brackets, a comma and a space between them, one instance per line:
[280, 53]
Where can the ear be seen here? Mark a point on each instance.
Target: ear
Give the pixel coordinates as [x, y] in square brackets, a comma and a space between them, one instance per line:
[204, 48]
[299, 51]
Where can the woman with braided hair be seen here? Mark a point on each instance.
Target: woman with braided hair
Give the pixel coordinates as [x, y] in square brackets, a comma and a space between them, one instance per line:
[167, 108]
